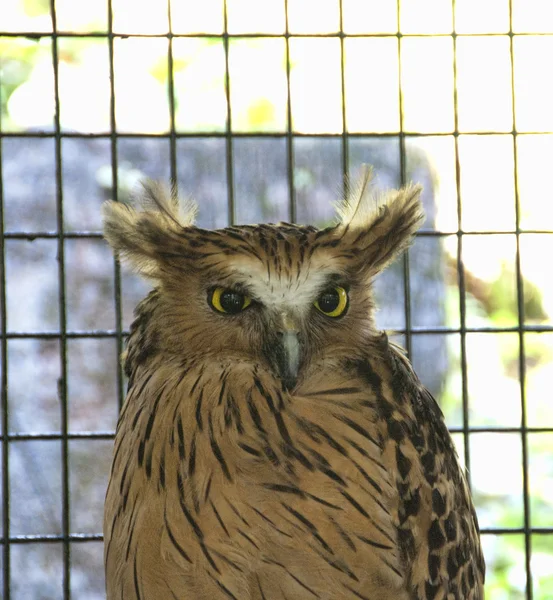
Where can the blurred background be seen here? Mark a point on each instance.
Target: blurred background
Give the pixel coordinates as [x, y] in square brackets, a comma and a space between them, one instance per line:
[257, 109]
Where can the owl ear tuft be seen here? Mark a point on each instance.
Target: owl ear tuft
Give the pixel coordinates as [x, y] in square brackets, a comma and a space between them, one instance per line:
[155, 196]
[379, 226]
[358, 203]
[147, 230]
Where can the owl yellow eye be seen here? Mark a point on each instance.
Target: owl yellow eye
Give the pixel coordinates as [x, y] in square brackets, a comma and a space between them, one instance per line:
[333, 302]
[227, 301]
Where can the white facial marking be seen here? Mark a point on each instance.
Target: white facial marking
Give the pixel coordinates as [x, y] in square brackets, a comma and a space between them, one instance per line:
[293, 295]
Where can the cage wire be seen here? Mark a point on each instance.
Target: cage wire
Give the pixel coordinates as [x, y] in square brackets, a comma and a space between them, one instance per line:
[470, 301]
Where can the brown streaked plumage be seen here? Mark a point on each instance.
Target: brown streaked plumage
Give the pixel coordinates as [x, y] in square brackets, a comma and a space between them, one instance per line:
[283, 449]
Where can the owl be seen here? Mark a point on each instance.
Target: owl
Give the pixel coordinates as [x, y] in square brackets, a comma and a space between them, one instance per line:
[274, 444]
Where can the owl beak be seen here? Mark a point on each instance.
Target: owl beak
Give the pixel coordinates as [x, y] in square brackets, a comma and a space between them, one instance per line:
[287, 351]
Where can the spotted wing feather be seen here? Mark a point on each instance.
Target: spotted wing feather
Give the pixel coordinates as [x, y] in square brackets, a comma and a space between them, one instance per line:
[438, 530]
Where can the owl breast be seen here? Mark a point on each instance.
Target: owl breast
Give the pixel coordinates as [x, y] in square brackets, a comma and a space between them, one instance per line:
[268, 493]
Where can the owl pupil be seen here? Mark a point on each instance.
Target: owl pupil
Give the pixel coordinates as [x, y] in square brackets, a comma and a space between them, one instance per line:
[329, 301]
[232, 302]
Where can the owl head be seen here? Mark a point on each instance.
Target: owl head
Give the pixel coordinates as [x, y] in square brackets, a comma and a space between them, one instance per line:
[286, 297]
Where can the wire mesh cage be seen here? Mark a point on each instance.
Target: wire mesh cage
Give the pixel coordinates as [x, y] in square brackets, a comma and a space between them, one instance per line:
[259, 110]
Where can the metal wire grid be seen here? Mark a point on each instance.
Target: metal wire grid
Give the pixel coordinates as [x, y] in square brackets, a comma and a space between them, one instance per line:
[63, 334]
